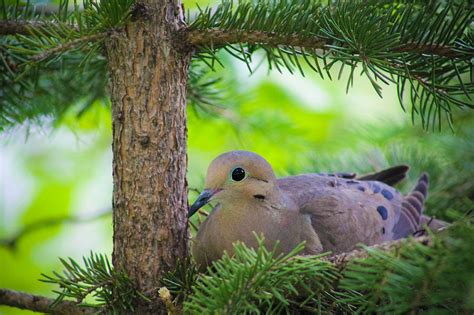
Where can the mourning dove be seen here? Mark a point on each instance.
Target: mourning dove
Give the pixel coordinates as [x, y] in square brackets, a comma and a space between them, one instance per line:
[329, 212]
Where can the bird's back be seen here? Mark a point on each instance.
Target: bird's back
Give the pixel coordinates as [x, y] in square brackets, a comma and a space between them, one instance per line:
[345, 212]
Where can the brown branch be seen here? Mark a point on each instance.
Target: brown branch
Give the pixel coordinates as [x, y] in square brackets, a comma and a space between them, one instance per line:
[428, 223]
[341, 260]
[218, 37]
[26, 27]
[430, 49]
[10, 27]
[12, 241]
[39, 303]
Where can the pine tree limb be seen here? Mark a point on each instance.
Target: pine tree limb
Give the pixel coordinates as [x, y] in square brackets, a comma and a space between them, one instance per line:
[217, 38]
[19, 27]
[39, 303]
[431, 49]
[68, 46]
[341, 260]
[42, 304]
[421, 236]
[12, 241]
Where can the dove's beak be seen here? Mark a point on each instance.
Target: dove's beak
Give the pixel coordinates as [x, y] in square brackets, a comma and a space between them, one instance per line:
[202, 200]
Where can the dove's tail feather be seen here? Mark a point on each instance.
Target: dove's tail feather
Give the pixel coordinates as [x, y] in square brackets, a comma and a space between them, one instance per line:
[390, 176]
[412, 209]
[432, 223]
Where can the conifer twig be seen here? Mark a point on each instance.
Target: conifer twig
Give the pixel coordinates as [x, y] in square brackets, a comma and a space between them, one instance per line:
[39, 303]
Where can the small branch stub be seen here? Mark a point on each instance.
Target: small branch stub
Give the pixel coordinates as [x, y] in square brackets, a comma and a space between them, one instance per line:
[165, 296]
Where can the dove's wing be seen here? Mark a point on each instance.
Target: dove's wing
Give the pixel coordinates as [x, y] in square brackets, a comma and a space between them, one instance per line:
[345, 212]
[390, 176]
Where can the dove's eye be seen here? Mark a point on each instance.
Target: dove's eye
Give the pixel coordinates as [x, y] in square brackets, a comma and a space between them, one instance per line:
[238, 174]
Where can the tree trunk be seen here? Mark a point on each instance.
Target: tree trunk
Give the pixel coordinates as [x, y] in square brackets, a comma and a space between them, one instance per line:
[148, 77]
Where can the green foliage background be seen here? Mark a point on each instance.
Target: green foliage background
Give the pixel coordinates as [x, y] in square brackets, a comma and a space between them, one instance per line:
[298, 124]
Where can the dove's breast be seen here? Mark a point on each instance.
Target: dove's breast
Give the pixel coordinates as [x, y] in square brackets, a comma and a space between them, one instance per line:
[223, 228]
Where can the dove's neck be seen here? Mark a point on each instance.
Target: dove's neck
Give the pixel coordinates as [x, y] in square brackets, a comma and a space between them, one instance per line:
[273, 204]
[277, 200]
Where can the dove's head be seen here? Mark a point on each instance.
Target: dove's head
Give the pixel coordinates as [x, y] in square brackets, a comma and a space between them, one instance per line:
[234, 176]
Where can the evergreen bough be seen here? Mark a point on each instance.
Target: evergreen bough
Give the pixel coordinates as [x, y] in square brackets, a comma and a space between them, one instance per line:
[426, 49]
[431, 274]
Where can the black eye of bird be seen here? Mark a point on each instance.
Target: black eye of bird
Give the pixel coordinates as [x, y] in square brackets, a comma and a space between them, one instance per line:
[238, 174]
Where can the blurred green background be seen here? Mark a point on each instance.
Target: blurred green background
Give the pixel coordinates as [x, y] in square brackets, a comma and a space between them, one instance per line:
[63, 167]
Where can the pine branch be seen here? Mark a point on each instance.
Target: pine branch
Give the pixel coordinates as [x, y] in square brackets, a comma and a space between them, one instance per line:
[107, 287]
[219, 37]
[55, 60]
[42, 304]
[216, 38]
[255, 279]
[67, 46]
[19, 27]
[425, 50]
[211, 95]
[250, 272]
[12, 241]
[238, 284]
[341, 260]
[447, 51]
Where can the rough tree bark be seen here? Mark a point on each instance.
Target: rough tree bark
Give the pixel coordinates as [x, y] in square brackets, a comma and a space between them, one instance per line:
[148, 78]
